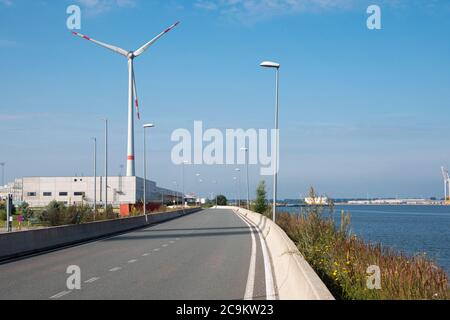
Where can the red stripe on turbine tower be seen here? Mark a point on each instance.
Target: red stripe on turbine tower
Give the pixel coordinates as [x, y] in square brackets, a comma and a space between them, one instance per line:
[130, 157]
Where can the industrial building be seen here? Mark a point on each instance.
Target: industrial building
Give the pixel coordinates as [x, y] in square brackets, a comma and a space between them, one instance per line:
[40, 191]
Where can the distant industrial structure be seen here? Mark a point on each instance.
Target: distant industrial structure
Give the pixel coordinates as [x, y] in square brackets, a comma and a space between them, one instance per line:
[40, 191]
[394, 202]
[446, 185]
[317, 201]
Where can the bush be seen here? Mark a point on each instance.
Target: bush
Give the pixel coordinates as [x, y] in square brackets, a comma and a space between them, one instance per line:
[342, 259]
[221, 200]
[57, 214]
[260, 205]
[2, 215]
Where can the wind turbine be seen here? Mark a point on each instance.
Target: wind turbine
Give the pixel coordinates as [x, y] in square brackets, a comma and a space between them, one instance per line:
[132, 92]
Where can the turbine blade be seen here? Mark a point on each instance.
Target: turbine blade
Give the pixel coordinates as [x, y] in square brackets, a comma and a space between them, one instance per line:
[104, 45]
[136, 101]
[141, 50]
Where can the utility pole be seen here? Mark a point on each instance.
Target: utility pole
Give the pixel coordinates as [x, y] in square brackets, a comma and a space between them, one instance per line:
[95, 175]
[106, 164]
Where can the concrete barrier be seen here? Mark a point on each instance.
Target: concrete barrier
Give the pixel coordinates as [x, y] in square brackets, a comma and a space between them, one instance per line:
[17, 244]
[294, 277]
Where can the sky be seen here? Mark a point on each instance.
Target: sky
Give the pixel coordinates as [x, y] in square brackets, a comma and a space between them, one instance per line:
[362, 112]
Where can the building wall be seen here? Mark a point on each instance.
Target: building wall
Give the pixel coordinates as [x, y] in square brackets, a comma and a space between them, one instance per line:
[40, 191]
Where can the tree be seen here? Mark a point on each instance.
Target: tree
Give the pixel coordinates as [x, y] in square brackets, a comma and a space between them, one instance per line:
[221, 200]
[261, 201]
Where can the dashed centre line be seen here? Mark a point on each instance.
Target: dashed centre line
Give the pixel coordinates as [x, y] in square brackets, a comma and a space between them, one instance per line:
[60, 295]
[164, 245]
[157, 249]
[115, 269]
[91, 280]
[132, 261]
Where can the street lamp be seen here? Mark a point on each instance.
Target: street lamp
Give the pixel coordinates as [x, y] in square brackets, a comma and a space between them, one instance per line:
[248, 186]
[95, 176]
[239, 185]
[106, 164]
[215, 183]
[270, 64]
[176, 192]
[235, 190]
[184, 204]
[146, 126]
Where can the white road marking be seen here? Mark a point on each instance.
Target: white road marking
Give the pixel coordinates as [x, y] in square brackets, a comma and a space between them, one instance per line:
[146, 254]
[250, 287]
[164, 245]
[60, 295]
[115, 269]
[132, 261]
[171, 241]
[270, 287]
[157, 249]
[177, 239]
[91, 280]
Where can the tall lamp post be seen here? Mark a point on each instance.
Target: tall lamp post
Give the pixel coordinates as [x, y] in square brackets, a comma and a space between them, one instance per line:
[239, 185]
[276, 66]
[146, 126]
[248, 186]
[176, 192]
[106, 165]
[183, 185]
[215, 183]
[235, 179]
[95, 175]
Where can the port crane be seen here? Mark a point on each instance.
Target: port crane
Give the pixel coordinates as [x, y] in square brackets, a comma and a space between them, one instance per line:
[446, 177]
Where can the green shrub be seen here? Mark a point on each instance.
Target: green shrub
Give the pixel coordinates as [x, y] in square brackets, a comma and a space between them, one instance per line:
[260, 205]
[221, 200]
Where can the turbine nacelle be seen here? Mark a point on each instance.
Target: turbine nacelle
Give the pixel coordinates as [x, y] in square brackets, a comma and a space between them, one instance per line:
[131, 55]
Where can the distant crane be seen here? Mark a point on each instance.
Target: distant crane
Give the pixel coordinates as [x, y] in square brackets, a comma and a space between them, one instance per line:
[446, 177]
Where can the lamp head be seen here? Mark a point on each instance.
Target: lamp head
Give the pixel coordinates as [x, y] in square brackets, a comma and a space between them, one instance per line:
[270, 64]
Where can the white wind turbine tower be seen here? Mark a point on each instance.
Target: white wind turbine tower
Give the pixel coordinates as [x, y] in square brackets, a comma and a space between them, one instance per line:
[132, 94]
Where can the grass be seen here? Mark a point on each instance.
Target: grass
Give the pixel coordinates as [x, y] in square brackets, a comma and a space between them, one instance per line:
[342, 260]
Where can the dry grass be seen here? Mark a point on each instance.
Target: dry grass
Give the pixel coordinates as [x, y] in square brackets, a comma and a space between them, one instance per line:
[341, 260]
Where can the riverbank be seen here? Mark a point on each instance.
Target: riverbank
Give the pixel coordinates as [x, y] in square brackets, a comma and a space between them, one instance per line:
[342, 260]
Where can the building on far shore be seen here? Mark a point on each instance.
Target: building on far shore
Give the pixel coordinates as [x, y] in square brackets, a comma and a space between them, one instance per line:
[394, 202]
[318, 201]
[40, 191]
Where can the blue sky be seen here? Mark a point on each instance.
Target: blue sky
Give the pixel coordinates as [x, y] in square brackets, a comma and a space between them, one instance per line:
[362, 112]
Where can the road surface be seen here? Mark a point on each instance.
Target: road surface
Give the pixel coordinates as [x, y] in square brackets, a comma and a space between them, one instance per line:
[211, 254]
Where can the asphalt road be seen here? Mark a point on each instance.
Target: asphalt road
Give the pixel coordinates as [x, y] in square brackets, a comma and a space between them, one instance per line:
[212, 254]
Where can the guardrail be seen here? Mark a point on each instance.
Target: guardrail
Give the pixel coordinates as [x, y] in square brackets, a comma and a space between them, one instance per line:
[18, 244]
[294, 277]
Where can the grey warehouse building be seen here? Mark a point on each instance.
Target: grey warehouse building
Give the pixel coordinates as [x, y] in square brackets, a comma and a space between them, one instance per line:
[40, 191]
